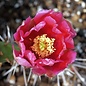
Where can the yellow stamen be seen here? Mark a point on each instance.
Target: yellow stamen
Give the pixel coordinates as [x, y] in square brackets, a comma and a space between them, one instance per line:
[43, 46]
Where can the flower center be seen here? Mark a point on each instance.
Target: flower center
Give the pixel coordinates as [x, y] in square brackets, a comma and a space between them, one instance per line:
[43, 46]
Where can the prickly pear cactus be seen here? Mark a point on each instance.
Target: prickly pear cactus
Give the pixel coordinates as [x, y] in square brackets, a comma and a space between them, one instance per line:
[5, 52]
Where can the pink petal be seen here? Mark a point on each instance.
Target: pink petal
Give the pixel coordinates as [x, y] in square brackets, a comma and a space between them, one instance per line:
[22, 47]
[69, 56]
[55, 69]
[73, 33]
[40, 15]
[50, 21]
[22, 29]
[39, 70]
[57, 16]
[20, 60]
[30, 56]
[15, 52]
[19, 35]
[46, 61]
[37, 27]
[23, 62]
[63, 26]
[25, 25]
[69, 43]
[66, 28]
[57, 31]
[59, 45]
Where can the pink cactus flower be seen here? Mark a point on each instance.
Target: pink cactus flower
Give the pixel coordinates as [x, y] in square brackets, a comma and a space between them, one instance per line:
[46, 43]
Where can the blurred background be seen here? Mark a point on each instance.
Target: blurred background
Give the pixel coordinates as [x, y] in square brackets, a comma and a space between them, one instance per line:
[13, 12]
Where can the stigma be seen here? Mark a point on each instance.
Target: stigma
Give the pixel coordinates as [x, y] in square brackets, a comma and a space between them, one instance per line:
[43, 46]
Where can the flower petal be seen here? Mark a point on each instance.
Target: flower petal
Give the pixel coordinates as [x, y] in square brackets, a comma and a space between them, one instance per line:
[55, 69]
[57, 16]
[70, 56]
[73, 33]
[22, 47]
[50, 21]
[69, 43]
[20, 60]
[46, 61]
[39, 70]
[25, 25]
[64, 28]
[23, 62]
[37, 27]
[19, 35]
[57, 31]
[41, 15]
[59, 45]
[30, 57]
